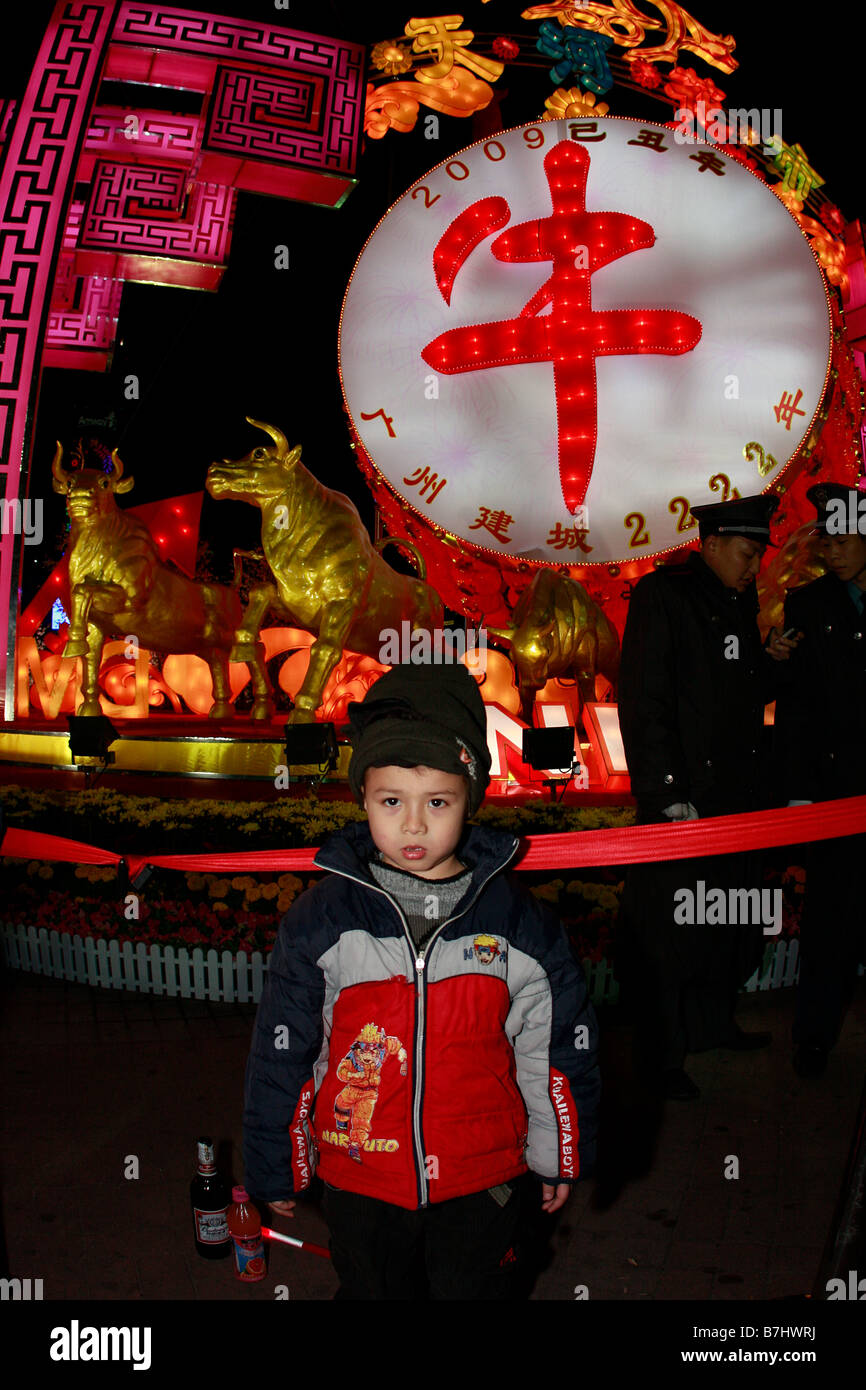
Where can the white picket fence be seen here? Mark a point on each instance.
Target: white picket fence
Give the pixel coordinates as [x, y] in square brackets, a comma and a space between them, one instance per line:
[228, 976]
[221, 976]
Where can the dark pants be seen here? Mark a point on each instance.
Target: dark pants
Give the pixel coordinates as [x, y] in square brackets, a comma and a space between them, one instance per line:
[832, 938]
[466, 1248]
[682, 981]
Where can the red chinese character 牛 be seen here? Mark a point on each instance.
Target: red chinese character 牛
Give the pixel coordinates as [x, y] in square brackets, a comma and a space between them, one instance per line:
[573, 334]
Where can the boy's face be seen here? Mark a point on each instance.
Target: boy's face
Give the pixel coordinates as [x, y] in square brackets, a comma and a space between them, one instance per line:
[416, 817]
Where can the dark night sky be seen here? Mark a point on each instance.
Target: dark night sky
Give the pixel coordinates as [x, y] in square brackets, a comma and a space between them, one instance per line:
[265, 344]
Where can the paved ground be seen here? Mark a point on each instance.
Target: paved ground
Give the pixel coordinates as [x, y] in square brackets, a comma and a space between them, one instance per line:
[93, 1076]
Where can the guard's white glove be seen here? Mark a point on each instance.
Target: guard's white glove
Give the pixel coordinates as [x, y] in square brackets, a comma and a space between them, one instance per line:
[681, 810]
[799, 803]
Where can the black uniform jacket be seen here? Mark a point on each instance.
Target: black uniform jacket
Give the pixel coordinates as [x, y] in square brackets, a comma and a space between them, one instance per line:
[820, 731]
[694, 680]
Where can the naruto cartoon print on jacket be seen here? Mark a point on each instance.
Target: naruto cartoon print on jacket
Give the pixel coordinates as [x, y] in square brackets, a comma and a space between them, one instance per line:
[478, 1051]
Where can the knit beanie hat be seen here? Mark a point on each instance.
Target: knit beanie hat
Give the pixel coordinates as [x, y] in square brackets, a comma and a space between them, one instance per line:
[422, 716]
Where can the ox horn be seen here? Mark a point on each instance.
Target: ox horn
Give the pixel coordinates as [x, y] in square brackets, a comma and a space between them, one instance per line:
[276, 435]
[61, 475]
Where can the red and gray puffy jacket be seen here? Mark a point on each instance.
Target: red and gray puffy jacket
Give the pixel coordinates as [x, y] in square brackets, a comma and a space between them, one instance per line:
[415, 1076]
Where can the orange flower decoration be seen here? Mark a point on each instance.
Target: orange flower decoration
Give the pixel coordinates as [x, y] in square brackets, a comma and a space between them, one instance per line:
[788, 197]
[829, 250]
[390, 58]
[573, 101]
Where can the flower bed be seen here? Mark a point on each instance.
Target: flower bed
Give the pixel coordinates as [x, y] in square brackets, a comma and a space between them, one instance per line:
[136, 824]
[241, 912]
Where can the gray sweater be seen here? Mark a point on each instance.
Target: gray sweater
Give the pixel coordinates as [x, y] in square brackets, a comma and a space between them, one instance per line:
[425, 902]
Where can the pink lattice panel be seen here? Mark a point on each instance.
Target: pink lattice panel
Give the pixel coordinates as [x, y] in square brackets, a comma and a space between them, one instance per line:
[35, 183]
[90, 327]
[144, 211]
[134, 136]
[188, 49]
[7, 111]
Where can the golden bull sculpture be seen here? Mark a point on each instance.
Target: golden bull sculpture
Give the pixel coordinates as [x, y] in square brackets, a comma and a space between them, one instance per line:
[327, 574]
[119, 587]
[558, 630]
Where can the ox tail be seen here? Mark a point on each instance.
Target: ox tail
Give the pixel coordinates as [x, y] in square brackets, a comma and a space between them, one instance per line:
[407, 545]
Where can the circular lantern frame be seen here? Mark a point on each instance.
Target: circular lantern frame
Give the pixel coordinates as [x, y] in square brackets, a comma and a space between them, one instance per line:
[421, 196]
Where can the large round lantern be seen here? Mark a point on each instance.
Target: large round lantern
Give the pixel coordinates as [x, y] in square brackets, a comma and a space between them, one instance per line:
[568, 335]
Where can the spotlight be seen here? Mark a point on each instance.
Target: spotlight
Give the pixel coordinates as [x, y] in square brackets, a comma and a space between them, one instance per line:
[90, 737]
[549, 748]
[311, 745]
[552, 749]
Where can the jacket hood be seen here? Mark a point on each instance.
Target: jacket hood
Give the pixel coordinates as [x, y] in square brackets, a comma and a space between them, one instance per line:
[350, 849]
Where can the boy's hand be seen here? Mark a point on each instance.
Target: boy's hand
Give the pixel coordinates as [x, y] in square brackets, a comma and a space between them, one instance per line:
[552, 1198]
[285, 1208]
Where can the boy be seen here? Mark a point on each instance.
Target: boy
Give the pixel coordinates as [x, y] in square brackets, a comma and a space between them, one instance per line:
[441, 1045]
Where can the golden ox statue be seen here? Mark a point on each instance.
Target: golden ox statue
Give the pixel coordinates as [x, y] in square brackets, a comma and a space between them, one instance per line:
[558, 630]
[120, 588]
[328, 577]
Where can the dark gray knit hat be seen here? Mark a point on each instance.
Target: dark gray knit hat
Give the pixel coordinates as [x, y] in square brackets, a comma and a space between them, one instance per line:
[422, 716]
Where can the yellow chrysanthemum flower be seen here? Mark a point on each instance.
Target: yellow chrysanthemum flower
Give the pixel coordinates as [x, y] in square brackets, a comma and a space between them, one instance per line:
[391, 58]
[573, 101]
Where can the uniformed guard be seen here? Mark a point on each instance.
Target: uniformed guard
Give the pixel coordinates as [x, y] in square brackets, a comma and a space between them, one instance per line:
[693, 684]
[821, 737]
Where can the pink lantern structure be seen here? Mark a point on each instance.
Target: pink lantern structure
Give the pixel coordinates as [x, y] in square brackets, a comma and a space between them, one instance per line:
[281, 114]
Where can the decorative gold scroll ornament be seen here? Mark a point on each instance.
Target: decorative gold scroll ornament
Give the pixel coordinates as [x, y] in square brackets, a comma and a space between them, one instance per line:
[457, 82]
[628, 26]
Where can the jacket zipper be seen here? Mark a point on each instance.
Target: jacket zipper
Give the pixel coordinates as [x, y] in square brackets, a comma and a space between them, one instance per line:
[419, 955]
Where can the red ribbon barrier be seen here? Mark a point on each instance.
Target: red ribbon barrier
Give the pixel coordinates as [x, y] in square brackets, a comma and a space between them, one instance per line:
[634, 844]
[32, 844]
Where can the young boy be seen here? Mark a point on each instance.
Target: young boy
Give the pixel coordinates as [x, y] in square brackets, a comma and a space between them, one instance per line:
[424, 1036]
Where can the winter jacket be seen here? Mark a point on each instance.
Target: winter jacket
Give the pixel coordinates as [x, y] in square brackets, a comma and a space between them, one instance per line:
[693, 684]
[415, 1076]
[821, 712]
